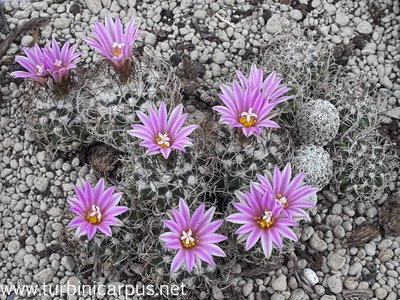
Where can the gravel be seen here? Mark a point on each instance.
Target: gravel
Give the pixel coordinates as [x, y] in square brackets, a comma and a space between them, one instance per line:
[34, 184]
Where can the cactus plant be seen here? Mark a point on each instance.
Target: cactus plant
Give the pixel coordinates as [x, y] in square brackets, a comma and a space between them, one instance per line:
[316, 163]
[317, 122]
[100, 109]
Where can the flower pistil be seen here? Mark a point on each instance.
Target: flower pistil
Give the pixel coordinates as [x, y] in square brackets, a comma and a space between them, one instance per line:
[248, 118]
[266, 220]
[94, 215]
[163, 140]
[117, 48]
[187, 239]
[282, 200]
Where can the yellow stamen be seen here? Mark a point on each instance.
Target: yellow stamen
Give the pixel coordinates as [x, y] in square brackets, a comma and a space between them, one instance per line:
[248, 118]
[266, 220]
[94, 216]
[187, 240]
[282, 200]
[163, 140]
[244, 121]
[117, 48]
[117, 51]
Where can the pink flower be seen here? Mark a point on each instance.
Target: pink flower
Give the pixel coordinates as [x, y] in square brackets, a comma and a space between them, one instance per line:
[34, 65]
[112, 41]
[290, 194]
[249, 104]
[193, 236]
[60, 62]
[271, 87]
[262, 217]
[96, 209]
[162, 134]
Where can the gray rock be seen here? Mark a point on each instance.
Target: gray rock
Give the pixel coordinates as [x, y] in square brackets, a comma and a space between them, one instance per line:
[369, 250]
[40, 5]
[318, 244]
[31, 262]
[221, 34]
[330, 8]
[296, 14]
[364, 27]
[22, 14]
[341, 18]
[247, 288]
[13, 246]
[5, 172]
[351, 283]
[328, 297]
[274, 24]
[26, 41]
[218, 57]
[315, 3]
[335, 284]
[369, 48]
[30, 241]
[41, 183]
[381, 293]
[62, 23]
[239, 43]
[307, 233]
[277, 296]
[310, 276]
[44, 276]
[355, 269]
[217, 293]
[331, 196]
[94, 6]
[385, 255]
[42, 158]
[150, 38]
[200, 14]
[8, 143]
[54, 212]
[393, 113]
[335, 261]
[280, 283]
[33, 220]
[68, 262]
[386, 82]
[299, 294]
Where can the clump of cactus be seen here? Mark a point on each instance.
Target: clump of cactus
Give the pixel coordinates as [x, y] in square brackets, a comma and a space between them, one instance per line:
[241, 158]
[310, 69]
[365, 164]
[170, 172]
[99, 108]
[317, 122]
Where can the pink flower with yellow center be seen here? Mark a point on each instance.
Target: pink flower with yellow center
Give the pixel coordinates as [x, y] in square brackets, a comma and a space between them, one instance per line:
[250, 101]
[291, 194]
[96, 209]
[162, 133]
[262, 218]
[193, 236]
[34, 64]
[271, 87]
[112, 41]
[58, 61]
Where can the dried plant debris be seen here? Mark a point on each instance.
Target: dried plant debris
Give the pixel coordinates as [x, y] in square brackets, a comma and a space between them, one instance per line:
[35, 22]
[358, 294]
[102, 158]
[254, 270]
[389, 215]
[363, 234]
